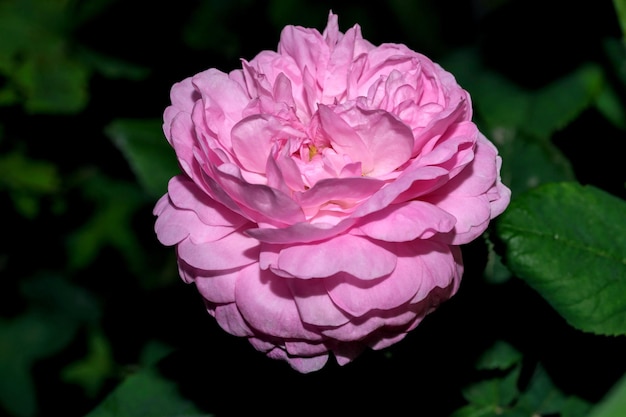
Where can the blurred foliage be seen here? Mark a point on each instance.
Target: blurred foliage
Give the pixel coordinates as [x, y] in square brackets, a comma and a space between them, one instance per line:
[56, 311]
[91, 307]
[141, 141]
[26, 190]
[502, 392]
[45, 69]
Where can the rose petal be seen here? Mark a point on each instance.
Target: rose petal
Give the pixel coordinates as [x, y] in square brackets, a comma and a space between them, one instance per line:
[232, 251]
[253, 138]
[305, 349]
[267, 304]
[216, 286]
[259, 201]
[229, 319]
[345, 191]
[185, 194]
[354, 255]
[414, 271]
[219, 91]
[407, 221]
[387, 142]
[299, 363]
[306, 47]
[314, 304]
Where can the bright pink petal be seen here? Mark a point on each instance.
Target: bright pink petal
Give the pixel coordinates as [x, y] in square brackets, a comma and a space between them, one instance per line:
[314, 304]
[229, 319]
[353, 255]
[344, 191]
[181, 135]
[305, 349]
[217, 286]
[300, 232]
[442, 267]
[306, 47]
[218, 89]
[266, 303]
[185, 194]
[412, 274]
[260, 202]
[472, 214]
[386, 142]
[346, 352]
[407, 221]
[301, 364]
[253, 138]
[343, 137]
[183, 95]
[252, 142]
[233, 251]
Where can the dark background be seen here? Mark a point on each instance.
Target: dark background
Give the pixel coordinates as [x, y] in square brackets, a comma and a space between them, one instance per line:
[530, 42]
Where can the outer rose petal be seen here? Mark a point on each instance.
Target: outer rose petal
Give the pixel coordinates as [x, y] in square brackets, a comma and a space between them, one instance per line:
[229, 318]
[354, 255]
[474, 196]
[407, 221]
[421, 266]
[266, 303]
[174, 224]
[314, 304]
[301, 364]
[233, 251]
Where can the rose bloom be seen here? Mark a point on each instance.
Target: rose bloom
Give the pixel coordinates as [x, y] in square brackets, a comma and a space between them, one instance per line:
[325, 191]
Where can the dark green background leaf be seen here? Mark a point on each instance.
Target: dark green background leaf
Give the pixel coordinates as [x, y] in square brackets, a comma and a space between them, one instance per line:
[614, 403]
[149, 154]
[499, 356]
[568, 241]
[146, 394]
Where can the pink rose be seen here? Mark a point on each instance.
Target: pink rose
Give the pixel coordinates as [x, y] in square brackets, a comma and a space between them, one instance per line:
[326, 189]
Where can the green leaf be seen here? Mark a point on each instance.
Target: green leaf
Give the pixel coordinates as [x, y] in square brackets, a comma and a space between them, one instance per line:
[558, 104]
[149, 154]
[609, 103]
[27, 180]
[505, 114]
[538, 113]
[57, 309]
[17, 388]
[496, 392]
[110, 224]
[499, 356]
[614, 402]
[474, 410]
[60, 297]
[499, 102]
[620, 9]
[528, 161]
[568, 241]
[541, 396]
[495, 272]
[53, 83]
[17, 171]
[111, 67]
[92, 371]
[23, 340]
[576, 407]
[146, 393]
[610, 106]
[615, 51]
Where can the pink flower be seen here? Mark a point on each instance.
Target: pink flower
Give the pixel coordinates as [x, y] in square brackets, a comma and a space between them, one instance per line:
[326, 189]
